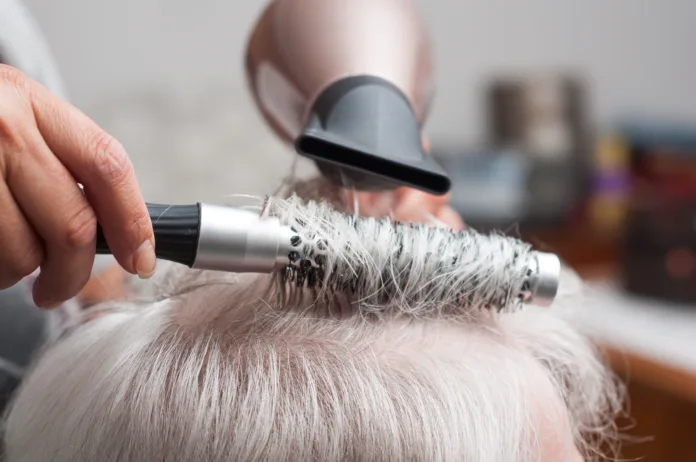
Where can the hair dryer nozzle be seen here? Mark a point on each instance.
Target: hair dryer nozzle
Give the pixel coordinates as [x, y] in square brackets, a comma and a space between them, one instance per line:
[362, 132]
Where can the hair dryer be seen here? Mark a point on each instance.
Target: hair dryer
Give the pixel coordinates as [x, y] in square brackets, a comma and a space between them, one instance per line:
[348, 83]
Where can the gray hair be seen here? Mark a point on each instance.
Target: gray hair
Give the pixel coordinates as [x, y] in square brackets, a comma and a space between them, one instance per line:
[213, 367]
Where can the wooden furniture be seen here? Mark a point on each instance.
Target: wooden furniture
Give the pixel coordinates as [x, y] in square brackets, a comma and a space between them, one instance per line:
[662, 398]
[652, 347]
[650, 344]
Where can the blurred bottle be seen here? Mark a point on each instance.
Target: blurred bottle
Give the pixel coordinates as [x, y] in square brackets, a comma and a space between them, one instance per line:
[544, 118]
[611, 184]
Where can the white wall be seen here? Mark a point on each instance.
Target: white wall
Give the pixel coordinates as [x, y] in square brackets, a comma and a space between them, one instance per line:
[639, 56]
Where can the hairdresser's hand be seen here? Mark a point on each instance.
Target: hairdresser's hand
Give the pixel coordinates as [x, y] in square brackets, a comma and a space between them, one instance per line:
[47, 147]
[416, 206]
[410, 205]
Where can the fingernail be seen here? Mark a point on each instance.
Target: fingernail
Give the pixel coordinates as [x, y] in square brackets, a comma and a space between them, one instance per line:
[144, 260]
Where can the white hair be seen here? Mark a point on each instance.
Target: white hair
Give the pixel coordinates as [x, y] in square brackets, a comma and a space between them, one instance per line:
[221, 368]
[422, 271]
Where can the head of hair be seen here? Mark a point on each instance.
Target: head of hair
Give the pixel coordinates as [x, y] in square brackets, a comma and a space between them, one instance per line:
[216, 367]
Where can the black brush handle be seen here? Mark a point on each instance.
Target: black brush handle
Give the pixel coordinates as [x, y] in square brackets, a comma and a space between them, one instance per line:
[176, 228]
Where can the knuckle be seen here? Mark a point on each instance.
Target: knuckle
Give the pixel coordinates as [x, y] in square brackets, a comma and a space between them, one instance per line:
[111, 160]
[81, 229]
[11, 75]
[13, 130]
[141, 227]
[9, 136]
[16, 125]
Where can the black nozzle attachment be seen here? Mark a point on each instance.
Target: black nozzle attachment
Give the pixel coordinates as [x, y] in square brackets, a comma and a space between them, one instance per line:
[362, 132]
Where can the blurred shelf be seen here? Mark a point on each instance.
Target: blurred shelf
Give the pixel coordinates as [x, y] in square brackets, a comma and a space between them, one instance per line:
[651, 346]
[650, 341]
[635, 367]
[581, 247]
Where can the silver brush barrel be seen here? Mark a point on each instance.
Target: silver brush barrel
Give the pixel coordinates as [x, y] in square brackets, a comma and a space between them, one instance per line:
[544, 276]
[218, 238]
[241, 241]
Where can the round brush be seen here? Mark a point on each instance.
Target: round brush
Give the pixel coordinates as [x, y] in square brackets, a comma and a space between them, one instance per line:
[318, 247]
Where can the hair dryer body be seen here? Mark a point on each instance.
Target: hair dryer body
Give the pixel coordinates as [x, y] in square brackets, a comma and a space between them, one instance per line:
[349, 83]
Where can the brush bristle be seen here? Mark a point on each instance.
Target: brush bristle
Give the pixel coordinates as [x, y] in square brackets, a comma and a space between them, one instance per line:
[382, 265]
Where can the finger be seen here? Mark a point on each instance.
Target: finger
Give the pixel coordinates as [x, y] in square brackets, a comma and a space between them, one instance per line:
[101, 164]
[426, 142]
[430, 201]
[54, 204]
[107, 285]
[451, 218]
[20, 248]
[372, 204]
[417, 206]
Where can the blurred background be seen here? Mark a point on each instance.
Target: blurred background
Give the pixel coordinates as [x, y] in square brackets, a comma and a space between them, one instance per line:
[571, 124]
